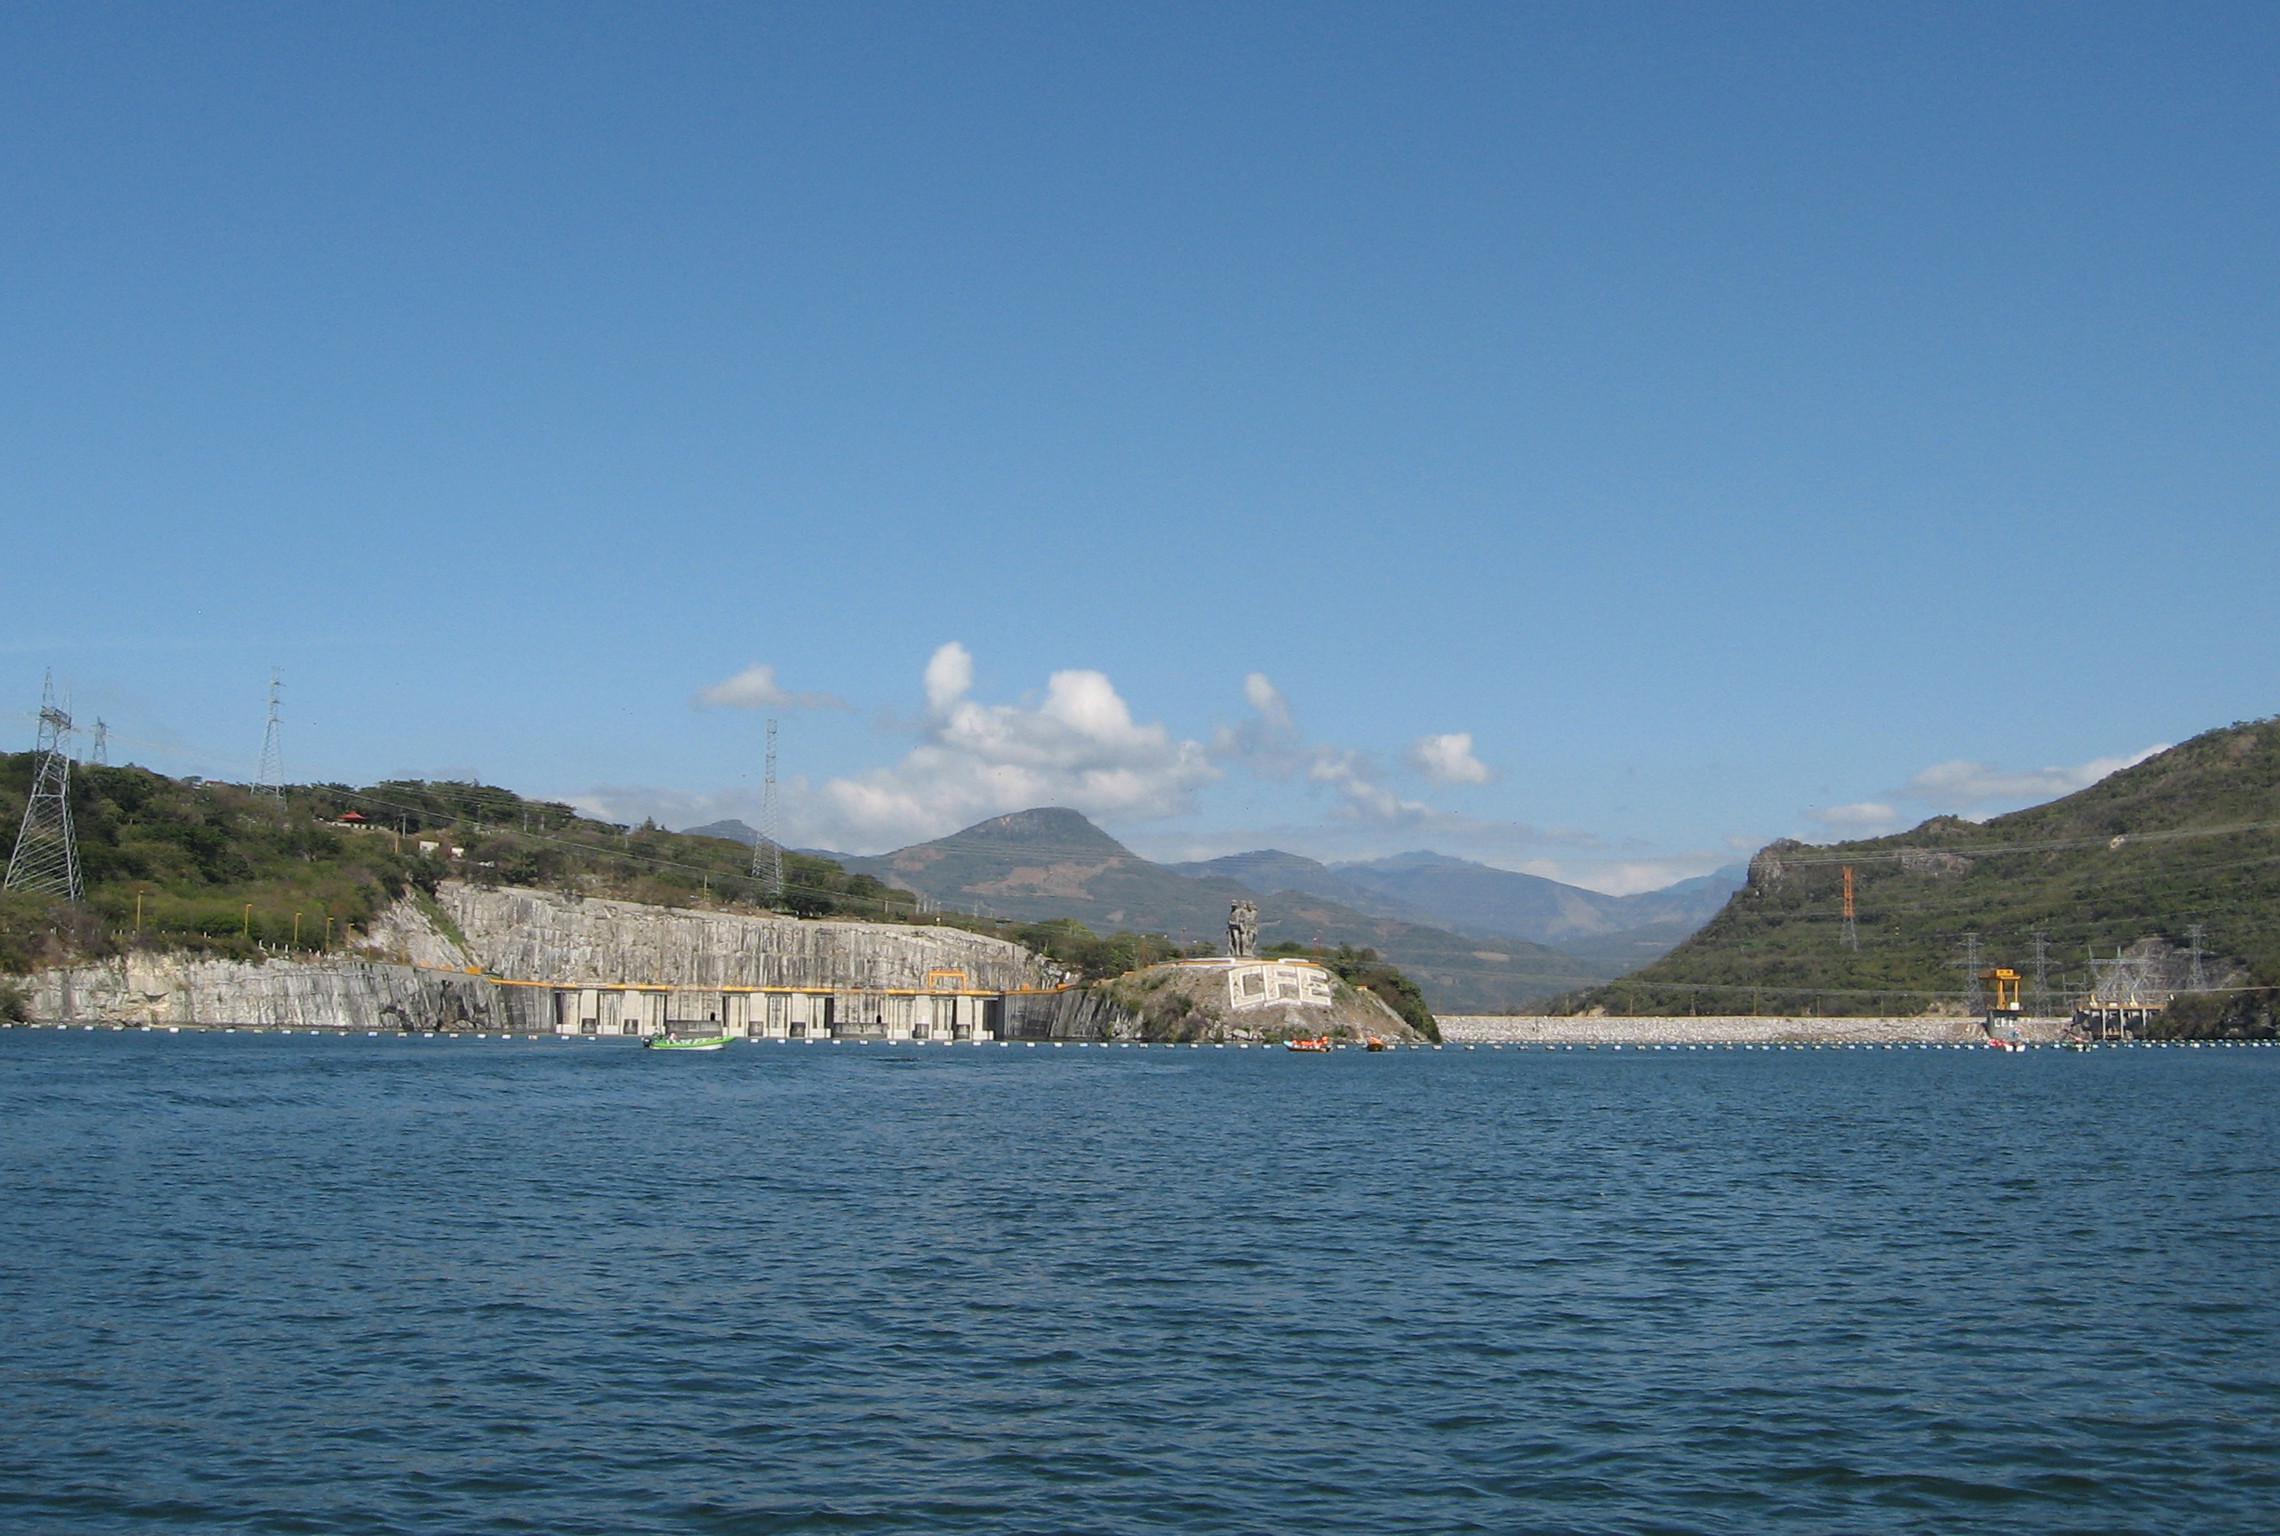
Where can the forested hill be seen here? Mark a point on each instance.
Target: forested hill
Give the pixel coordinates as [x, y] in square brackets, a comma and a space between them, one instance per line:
[214, 866]
[2187, 839]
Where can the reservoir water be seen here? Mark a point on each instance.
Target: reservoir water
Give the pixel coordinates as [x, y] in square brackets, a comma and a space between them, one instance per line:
[348, 1285]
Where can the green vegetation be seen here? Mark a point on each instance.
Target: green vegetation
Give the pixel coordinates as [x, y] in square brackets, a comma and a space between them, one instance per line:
[505, 839]
[181, 864]
[2191, 836]
[1093, 957]
[209, 866]
[1362, 968]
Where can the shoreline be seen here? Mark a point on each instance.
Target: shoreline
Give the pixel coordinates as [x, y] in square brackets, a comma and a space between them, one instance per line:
[1635, 1034]
[1727, 1029]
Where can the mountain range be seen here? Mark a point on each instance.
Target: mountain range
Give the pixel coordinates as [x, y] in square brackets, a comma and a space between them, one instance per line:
[1475, 938]
[1617, 933]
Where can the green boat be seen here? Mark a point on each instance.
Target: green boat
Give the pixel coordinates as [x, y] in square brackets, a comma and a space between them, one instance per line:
[668, 1043]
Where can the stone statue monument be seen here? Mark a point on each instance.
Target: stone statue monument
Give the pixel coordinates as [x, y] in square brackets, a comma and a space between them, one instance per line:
[1243, 929]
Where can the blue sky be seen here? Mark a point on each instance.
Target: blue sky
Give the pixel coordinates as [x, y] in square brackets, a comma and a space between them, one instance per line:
[1594, 439]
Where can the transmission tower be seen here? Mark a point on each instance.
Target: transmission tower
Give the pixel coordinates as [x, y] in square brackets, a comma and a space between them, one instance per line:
[1852, 929]
[46, 859]
[2196, 978]
[99, 755]
[270, 779]
[2042, 973]
[1974, 996]
[767, 852]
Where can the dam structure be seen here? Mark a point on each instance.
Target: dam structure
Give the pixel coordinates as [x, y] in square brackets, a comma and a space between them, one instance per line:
[543, 962]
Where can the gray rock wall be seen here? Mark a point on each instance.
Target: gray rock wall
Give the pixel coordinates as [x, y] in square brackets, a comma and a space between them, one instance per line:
[159, 988]
[528, 935]
[411, 975]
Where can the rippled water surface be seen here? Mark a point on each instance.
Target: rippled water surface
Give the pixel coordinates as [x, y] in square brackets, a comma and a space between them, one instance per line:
[314, 1285]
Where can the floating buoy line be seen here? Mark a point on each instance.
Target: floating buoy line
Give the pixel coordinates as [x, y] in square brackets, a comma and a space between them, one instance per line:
[1980, 1047]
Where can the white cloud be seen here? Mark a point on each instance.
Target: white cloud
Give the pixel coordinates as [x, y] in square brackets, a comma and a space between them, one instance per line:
[1360, 794]
[1961, 785]
[1861, 816]
[1267, 743]
[1271, 745]
[949, 677]
[1079, 746]
[1631, 876]
[1267, 699]
[1448, 759]
[675, 809]
[756, 688]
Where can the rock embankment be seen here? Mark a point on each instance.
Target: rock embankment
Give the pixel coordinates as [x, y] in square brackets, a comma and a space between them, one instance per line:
[411, 972]
[1738, 1029]
[1250, 1000]
[333, 993]
[530, 935]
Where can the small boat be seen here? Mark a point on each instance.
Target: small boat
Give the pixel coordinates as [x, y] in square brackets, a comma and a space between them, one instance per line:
[1318, 1043]
[668, 1043]
[1375, 1044]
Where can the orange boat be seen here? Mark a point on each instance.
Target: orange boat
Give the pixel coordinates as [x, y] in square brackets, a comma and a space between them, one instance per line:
[1318, 1043]
[1375, 1044]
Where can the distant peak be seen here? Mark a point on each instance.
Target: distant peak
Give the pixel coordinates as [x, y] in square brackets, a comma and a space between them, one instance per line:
[1054, 824]
[732, 829]
[1417, 858]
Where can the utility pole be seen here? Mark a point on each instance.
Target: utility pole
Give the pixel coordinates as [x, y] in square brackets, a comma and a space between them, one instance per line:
[767, 852]
[1974, 996]
[1852, 928]
[2042, 973]
[2196, 977]
[46, 857]
[269, 779]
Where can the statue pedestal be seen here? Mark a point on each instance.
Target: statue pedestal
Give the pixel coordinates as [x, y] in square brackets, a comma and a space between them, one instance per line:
[1256, 983]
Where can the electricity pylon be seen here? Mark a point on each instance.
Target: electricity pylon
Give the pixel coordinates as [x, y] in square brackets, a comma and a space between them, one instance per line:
[767, 852]
[46, 859]
[269, 779]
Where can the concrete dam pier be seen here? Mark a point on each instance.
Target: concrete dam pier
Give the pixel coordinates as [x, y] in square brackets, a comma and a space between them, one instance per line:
[538, 962]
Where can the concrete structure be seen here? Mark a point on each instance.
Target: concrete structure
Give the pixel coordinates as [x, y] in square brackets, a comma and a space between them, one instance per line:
[1738, 1029]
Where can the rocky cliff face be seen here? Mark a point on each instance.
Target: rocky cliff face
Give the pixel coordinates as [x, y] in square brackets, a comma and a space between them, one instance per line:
[530, 935]
[157, 988]
[412, 973]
